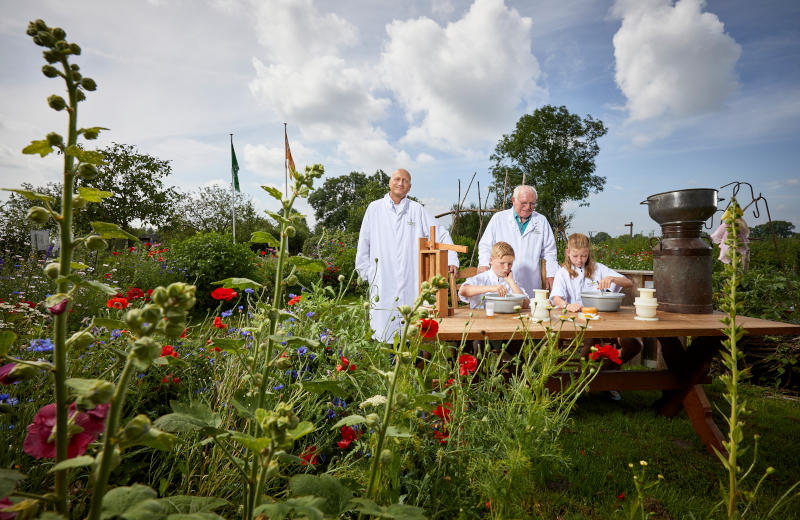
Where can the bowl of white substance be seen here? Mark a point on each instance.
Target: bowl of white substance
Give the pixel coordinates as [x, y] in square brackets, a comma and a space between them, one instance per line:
[505, 304]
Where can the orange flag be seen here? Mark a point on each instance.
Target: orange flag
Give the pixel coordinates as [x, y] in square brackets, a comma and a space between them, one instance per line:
[289, 155]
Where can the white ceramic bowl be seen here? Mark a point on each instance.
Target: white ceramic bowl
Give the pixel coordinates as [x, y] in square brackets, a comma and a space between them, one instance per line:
[603, 302]
[505, 304]
[646, 311]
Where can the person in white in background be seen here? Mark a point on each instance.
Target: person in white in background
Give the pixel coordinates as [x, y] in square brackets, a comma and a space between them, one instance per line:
[390, 234]
[529, 234]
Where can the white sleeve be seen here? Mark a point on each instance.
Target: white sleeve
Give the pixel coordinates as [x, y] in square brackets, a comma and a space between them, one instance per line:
[486, 243]
[607, 271]
[560, 285]
[364, 264]
[468, 281]
[549, 250]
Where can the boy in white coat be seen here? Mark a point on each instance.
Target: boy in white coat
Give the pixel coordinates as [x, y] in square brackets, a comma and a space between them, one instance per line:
[388, 253]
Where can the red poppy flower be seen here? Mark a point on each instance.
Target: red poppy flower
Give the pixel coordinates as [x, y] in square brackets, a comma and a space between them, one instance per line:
[115, 253]
[165, 379]
[263, 253]
[621, 496]
[221, 293]
[428, 328]
[442, 436]
[117, 303]
[348, 435]
[134, 293]
[346, 365]
[310, 455]
[215, 349]
[40, 441]
[176, 380]
[218, 323]
[131, 250]
[443, 411]
[296, 299]
[183, 335]
[108, 275]
[608, 352]
[167, 350]
[467, 364]
[165, 250]
[149, 292]
[148, 244]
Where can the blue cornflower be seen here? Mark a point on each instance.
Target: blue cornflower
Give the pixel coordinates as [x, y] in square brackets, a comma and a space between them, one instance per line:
[241, 307]
[41, 345]
[290, 295]
[331, 414]
[312, 357]
[116, 333]
[339, 402]
[292, 373]
[227, 314]
[249, 291]
[141, 376]
[278, 387]
[310, 314]
[302, 351]
[245, 333]
[3, 397]
[12, 401]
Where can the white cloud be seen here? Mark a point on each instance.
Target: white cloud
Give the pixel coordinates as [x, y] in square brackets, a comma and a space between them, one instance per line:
[792, 182]
[673, 60]
[462, 84]
[269, 162]
[424, 158]
[217, 182]
[442, 7]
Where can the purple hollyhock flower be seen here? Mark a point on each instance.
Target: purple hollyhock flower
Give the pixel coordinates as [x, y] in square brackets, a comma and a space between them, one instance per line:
[38, 442]
[59, 308]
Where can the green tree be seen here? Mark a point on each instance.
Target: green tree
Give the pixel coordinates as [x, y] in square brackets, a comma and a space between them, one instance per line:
[556, 151]
[782, 229]
[601, 237]
[15, 227]
[137, 181]
[333, 201]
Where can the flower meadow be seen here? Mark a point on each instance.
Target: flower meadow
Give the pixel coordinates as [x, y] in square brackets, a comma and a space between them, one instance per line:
[120, 399]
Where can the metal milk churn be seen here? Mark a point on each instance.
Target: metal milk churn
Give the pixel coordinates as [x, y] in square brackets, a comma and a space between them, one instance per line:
[682, 260]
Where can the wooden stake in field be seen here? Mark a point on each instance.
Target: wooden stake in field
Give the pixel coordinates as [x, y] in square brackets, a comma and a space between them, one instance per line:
[433, 261]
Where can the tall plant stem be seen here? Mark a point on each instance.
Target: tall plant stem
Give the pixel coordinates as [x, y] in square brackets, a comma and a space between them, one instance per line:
[60, 329]
[733, 490]
[109, 441]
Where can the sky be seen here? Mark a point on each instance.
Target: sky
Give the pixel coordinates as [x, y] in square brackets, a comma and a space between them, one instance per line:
[694, 94]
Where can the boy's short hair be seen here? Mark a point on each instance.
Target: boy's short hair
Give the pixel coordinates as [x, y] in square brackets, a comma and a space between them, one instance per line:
[501, 249]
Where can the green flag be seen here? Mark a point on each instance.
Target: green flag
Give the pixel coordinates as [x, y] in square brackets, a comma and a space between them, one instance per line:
[234, 168]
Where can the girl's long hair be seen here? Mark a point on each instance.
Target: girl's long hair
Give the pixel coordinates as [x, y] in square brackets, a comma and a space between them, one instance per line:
[579, 241]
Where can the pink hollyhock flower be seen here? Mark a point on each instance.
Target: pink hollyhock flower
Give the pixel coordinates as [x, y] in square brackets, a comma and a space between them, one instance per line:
[6, 502]
[4, 371]
[41, 443]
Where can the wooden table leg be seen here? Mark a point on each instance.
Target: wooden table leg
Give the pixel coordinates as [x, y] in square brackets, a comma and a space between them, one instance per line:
[700, 413]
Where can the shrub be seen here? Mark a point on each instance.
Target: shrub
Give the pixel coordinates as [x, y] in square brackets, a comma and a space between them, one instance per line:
[210, 257]
[338, 249]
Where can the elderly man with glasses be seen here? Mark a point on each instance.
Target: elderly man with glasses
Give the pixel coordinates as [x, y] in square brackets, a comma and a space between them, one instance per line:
[529, 234]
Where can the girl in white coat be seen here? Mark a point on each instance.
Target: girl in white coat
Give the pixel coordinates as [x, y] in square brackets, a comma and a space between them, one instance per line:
[580, 273]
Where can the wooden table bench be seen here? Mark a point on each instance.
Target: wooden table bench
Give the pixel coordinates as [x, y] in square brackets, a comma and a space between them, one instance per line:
[687, 369]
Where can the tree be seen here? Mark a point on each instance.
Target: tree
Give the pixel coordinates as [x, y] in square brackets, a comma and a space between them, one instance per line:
[333, 201]
[782, 229]
[137, 182]
[602, 236]
[556, 151]
[15, 227]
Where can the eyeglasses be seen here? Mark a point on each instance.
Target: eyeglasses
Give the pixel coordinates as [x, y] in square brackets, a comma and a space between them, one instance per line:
[527, 204]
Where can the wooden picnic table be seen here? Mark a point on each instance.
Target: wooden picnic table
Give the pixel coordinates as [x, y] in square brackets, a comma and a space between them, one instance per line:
[687, 367]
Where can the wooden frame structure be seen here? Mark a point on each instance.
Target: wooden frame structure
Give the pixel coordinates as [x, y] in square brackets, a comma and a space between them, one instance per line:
[433, 261]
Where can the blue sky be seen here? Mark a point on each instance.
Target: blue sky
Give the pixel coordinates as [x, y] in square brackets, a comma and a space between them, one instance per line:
[695, 94]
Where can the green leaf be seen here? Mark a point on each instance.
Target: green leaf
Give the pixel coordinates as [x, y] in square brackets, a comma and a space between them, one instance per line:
[279, 218]
[32, 195]
[172, 361]
[93, 131]
[337, 496]
[82, 386]
[394, 431]
[74, 279]
[182, 504]
[349, 421]
[41, 147]
[77, 462]
[308, 264]
[320, 387]
[294, 340]
[302, 429]
[262, 237]
[394, 511]
[250, 442]
[55, 299]
[302, 508]
[194, 417]
[287, 457]
[245, 404]
[205, 515]
[108, 323]
[238, 283]
[98, 286]
[230, 345]
[77, 265]
[86, 156]
[273, 191]
[8, 481]
[51, 515]
[421, 399]
[7, 339]
[93, 194]
[107, 230]
[131, 503]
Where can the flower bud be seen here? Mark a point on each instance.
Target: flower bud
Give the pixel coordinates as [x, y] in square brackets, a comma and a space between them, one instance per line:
[365, 305]
[76, 76]
[59, 33]
[401, 400]
[80, 340]
[19, 373]
[423, 313]
[292, 280]
[413, 331]
[52, 270]
[290, 231]
[39, 215]
[79, 202]
[96, 243]
[136, 427]
[386, 457]
[283, 363]
[91, 133]
[40, 25]
[49, 71]
[101, 392]
[770, 470]
[46, 39]
[340, 277]
[57, 306]
[56, 102]
[75, 48]
[272, 469]
[6, 408]
[88, 171]
[88, 84]
[145, 350]
[159, 296]
[52, 56]
[173, 329]
[373, 420]
[32, 31]
[54, 139]
[80, 95]
[405, 357]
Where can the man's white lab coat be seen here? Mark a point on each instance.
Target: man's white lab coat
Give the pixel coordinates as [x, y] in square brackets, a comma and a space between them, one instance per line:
[390, 233]
[529, 248]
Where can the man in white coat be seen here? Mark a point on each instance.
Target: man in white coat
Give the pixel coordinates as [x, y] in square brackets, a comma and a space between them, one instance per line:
[529, 234]
[390, 234]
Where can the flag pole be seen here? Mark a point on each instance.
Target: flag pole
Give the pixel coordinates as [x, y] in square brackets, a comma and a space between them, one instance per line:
[233, 196]
[285, 167]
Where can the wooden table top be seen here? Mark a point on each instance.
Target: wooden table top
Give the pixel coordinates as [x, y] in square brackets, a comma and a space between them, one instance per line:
[611, 324]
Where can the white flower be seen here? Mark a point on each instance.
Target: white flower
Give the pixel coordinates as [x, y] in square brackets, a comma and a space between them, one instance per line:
[374, 401]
